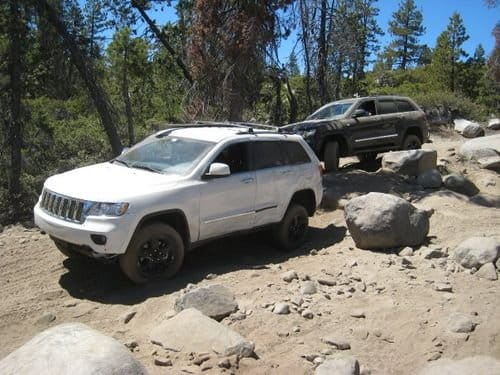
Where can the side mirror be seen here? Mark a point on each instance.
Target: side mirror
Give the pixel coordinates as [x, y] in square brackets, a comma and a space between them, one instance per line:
[218, 170]
[360, 113]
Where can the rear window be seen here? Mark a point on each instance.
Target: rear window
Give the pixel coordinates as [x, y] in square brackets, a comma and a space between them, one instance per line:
[295, 153]
[405, 106]
[387, 106]
[267, 154]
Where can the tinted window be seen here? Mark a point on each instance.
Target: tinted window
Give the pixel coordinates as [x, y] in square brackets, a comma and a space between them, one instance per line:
[236, 156]
[295, 153]
[386, 106]
[369, 106]
[267, 154]
[330, 111]
[405, 106]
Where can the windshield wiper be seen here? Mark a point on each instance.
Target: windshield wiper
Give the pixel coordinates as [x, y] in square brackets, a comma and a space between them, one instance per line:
[121, 162]
[145, 167]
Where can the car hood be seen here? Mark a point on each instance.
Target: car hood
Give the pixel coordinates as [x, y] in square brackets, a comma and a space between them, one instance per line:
[107, 182]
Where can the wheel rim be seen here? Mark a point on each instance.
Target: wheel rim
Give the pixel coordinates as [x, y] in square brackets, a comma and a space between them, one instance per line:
[297, 228]
[155, 257]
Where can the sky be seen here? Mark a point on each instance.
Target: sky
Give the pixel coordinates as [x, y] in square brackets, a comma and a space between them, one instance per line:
[478, 19]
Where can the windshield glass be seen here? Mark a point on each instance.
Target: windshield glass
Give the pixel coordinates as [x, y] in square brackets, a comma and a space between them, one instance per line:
[166, 155]
[336, 109]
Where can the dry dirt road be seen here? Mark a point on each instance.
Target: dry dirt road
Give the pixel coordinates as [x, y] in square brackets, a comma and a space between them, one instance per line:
[405, 323]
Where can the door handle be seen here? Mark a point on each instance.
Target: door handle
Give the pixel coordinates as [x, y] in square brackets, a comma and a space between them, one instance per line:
[247, 180]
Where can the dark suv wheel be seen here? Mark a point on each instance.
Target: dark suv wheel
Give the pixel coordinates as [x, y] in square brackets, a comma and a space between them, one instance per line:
[155, 252]
[291, 232]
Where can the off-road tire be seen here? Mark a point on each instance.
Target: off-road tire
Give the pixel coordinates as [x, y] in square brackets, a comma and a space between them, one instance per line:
[291, 231]
[331, 156]
[412, 142]
[145, 250]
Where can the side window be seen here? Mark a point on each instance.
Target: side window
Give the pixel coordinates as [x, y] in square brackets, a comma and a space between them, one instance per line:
[369, 106]
[324, 113]
[295, 153]
[236, 156]
[405, 106]
[386, 106]
[267, 154]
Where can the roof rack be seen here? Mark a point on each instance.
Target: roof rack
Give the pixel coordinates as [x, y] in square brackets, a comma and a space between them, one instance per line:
[247, 127]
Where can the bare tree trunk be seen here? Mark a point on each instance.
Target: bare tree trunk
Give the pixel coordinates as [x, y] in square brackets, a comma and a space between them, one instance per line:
[163, 39]
[304, 17]
[87, 73]
[15, 132]
[126, 98]
[278, 105]
[321, 71]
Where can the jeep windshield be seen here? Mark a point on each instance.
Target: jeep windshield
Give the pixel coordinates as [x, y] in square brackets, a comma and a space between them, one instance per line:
[165, 155]
[331, 110]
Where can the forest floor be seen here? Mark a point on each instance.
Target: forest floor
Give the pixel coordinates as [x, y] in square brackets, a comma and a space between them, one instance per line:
[405, 323]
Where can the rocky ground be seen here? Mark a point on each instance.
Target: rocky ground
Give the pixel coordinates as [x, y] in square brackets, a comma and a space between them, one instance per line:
[394, 314]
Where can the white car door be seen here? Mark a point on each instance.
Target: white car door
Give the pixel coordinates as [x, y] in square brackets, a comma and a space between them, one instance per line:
[227, 204]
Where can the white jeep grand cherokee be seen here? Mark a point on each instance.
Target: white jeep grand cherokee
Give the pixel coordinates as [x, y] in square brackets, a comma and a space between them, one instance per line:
[178, 188]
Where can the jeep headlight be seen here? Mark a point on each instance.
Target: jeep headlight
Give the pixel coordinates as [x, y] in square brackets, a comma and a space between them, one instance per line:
[105, 209]
[308, 133]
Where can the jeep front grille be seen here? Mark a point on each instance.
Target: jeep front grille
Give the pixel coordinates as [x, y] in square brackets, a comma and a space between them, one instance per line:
[62, 207]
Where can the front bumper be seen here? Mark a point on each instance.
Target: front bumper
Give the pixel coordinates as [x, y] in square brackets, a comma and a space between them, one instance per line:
[115, 229]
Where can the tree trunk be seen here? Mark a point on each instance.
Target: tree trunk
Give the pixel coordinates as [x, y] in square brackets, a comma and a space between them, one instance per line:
[321, 71]
[163, 39]
[126, 98]
[307, 61]
[278, 105]
[87, 73]
[293, 102]
[15, 132]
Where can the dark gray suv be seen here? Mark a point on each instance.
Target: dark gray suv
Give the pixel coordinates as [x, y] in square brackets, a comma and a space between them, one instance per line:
[363, 127]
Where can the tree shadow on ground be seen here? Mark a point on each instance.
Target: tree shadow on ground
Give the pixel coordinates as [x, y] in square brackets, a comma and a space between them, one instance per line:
[96, 281]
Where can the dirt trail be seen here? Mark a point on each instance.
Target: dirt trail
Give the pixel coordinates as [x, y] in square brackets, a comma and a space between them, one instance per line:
[406, 318]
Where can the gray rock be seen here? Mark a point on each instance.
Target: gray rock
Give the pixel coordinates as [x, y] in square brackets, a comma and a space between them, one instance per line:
[406, 252]
[473, 130]
[192, 331]
[481, 147]
[477, 365]
[460, 184]
[281, 308]
[430, 179]
[494, 124]
[431, 253]
[307, 314]
[327, 282]
[71, 348]
[338, 342]
[160, 361]
[476, 251]
[378, 221]
[339, 366]
[358, 313]
[410, 162]
[460, 323]
[309, 287]
[490, 162]
[497, 264]
[215, 301]
[443, 287]
[289, 276]
[488, 272]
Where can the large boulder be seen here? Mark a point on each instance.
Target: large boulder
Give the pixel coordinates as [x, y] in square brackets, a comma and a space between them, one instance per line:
[476, 251]
[71, 348]
[460, 184]
[478, 365]
[483, 147]
[215, 301]
[378, 221]
[468, 128]
[192, 331]
[339, 366]
[410, 162]
[430, 179]
[494, 124]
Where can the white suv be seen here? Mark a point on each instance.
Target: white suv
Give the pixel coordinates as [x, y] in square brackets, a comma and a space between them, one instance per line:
[178, 188]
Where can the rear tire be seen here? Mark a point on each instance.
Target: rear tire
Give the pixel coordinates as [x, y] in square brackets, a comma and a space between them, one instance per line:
[291, 232]
[412, 142]
[155, 252]
[331, 156]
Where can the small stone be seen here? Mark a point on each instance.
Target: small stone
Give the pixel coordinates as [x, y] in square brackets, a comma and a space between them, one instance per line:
[307, 314]
[309, 287]
[132, 345]
[129, 316]
[164, 362]
[460, 323]
[318, 360]
[431, 253]
[338, 366]
[488, 272]
[206, 366]
[358, 313]
[297, 300]
[434, 357]
[310, 356]
[377, 332]
[225, 363]
[313, 252]
[201, 358]
[296, 329]
[327, 282]
[23, 241]
[443, 287]
[406, 252]
[70, 303]
[289, 276]
[338, 342]
[281, 308]
[211, 276]
[353, 263]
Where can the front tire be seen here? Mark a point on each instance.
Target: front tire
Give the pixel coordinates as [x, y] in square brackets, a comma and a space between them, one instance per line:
[155, 252]
[331, 156]
[412, 142]
[291, 232]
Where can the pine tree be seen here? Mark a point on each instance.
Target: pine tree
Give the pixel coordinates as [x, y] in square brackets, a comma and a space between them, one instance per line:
[457, 36]
[292, 65]
[406, 27]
